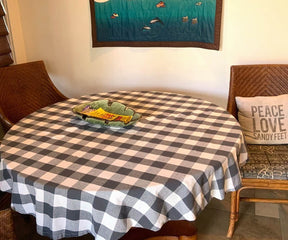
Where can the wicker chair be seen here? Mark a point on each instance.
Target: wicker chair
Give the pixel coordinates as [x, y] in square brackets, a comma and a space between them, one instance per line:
[25, 88]
[7, 225]
[173, 238]
[171, 230]
[250, 81]
[6, 218]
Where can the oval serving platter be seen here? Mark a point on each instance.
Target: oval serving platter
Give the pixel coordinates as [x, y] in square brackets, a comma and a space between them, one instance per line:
[106, 113]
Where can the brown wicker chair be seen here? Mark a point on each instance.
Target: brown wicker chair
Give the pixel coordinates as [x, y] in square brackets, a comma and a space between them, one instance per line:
[171, 230]
[25, 88]
[6, 225]
[250, 81]
[6, 218]
[173, 238]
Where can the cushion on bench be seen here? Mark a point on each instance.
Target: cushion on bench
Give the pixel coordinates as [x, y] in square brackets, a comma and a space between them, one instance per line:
[266, 162]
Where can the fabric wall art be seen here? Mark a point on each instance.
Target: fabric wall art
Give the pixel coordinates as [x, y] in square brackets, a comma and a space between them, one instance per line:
[156, 23]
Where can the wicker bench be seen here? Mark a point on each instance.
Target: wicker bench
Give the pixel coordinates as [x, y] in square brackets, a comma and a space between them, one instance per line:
[267, 167]
[266, 162]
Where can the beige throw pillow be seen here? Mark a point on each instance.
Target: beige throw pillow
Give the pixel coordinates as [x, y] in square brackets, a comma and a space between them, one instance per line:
[264, 120]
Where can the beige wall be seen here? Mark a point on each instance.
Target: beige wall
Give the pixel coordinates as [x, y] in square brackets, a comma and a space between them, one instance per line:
[58, 31]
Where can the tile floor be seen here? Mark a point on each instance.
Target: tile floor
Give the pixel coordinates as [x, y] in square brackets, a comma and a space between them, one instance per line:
[213, 222]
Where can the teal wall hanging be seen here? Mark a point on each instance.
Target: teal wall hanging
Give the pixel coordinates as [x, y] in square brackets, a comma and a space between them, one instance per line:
[156, 23]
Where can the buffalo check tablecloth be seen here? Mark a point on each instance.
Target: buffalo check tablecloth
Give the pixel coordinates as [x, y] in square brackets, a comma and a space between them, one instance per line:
[78, 178]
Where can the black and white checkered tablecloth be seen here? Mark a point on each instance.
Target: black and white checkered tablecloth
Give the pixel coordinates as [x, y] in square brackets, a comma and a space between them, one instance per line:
[76, 178]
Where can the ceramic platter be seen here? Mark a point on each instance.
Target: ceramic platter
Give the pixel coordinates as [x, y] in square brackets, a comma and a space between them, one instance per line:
[106, 113]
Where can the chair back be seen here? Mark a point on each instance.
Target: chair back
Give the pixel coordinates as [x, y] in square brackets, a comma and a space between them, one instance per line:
[25, 88]
[256, 80]
[7, 225]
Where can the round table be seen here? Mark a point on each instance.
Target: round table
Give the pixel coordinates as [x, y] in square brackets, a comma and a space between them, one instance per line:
[79, 178]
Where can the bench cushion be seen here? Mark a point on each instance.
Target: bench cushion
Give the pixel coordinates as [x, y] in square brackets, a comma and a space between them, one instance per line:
[266, 162]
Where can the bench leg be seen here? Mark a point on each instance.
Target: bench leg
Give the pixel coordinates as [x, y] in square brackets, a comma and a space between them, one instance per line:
[233, 214]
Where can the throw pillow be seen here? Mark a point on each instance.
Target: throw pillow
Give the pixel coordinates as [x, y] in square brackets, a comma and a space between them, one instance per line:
[264, 120]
